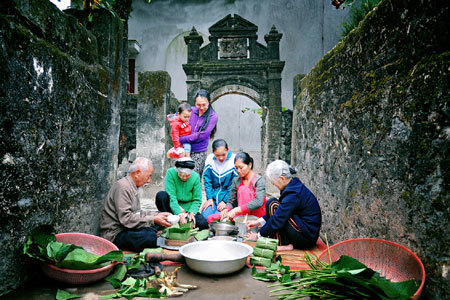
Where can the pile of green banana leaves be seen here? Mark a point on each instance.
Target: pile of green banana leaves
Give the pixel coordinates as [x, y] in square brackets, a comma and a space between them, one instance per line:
[182, 232]
[346, 278]
[42, 245]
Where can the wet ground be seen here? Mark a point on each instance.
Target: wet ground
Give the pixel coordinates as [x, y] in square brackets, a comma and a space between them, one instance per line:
[239, 285]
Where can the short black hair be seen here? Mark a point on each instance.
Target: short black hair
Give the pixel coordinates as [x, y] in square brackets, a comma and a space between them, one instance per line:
[184, 106]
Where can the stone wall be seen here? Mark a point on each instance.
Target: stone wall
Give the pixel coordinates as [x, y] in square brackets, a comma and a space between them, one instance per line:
[60, 94]
[128, 123]
[154, 93]
[286, 135]
[372, 133]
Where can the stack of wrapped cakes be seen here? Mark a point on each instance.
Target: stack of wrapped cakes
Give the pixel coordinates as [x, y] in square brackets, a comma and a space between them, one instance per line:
[264, 252]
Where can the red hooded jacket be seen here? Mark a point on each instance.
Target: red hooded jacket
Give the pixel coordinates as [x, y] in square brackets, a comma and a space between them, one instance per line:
[179, 128]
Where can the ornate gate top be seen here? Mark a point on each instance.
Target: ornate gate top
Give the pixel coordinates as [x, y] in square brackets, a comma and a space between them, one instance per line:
[234, 62]
[233, 38]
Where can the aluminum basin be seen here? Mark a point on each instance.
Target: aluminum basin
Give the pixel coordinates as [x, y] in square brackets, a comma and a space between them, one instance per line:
[223, 229]
[216, 257]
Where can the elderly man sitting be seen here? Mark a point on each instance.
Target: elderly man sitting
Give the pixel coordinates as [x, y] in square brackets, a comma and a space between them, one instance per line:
[123, 222]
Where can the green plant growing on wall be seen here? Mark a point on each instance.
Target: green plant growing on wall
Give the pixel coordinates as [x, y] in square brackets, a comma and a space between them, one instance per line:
[358, 12]
[115, 7]
[259, 110]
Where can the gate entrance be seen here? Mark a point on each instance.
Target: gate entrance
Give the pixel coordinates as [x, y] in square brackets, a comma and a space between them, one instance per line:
[240, 125]
[235, 63]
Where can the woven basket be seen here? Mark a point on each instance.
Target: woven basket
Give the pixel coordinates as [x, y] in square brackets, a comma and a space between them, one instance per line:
[392, 260]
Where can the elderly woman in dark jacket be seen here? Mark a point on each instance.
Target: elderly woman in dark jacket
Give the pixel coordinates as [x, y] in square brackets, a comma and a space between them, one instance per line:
[294, 219]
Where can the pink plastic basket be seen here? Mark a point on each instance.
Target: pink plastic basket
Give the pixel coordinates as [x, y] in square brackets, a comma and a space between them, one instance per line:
[392, 260]
[90, 243]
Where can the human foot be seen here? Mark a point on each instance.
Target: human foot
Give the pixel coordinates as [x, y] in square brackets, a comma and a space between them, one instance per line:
[285, 247]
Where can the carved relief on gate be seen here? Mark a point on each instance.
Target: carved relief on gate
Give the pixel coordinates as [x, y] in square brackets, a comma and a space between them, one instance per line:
[233, 48]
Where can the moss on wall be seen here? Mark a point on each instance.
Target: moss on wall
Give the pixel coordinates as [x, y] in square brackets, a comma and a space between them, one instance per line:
[59, 105]
[373, 134]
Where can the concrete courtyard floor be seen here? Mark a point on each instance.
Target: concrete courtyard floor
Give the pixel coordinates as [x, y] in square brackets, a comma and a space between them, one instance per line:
[239, 285]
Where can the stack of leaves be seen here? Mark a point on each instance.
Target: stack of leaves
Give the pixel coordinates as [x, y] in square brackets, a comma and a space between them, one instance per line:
[275, 272]
[346, 278]
[182, 232]
[131, 287]
[264, 252]
[126, 287]
[42, 245]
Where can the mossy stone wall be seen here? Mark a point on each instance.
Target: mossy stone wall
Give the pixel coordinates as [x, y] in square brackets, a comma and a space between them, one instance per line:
[372, 133]
[60, 95]
[154, 94]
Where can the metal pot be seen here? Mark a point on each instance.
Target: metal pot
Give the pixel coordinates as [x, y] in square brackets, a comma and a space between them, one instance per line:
[223, 229]
[239, 221]
[216, 257]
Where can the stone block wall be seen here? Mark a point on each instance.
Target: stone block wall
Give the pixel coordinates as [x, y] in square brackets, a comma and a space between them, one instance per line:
[286, 135]
[372, 133]
[128, 118]
[154, 93]
[60, 95]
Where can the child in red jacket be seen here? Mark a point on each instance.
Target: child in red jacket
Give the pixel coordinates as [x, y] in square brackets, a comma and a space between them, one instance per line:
[180, 127]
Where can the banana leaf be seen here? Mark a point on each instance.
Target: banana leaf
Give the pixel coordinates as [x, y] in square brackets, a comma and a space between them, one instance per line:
[180, 234]
[260, 261]
[202, 235]
[80, 259]
[267, 243]
[41, 244]
[261, 252]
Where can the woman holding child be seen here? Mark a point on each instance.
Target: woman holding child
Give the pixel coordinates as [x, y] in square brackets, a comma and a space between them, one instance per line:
[294, 219]
[203, 122]
[218, 176]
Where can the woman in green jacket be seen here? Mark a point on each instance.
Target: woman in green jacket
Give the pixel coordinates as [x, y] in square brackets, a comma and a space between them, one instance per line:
[183, 193]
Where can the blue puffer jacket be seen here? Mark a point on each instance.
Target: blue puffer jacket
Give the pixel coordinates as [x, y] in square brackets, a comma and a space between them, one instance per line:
[217, 177]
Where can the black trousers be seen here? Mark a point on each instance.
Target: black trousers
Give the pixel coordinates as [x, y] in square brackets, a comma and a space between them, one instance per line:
[136, 240]
[163, 204]
[289, 234]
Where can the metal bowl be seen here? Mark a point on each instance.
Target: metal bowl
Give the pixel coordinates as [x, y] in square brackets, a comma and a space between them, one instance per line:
[392, 260]
[216, 257]
[223, 229]
[241, 225]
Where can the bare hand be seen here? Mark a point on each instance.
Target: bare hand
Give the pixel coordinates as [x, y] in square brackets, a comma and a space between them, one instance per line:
[251, 236]
[207, 204]
[191, 217]
[252, 224]
[182, 218]
[161, 219]
[221, 206]
[223, 214]
[232, 213]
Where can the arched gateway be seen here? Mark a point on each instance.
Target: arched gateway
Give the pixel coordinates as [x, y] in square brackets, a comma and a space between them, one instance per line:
[235, 63]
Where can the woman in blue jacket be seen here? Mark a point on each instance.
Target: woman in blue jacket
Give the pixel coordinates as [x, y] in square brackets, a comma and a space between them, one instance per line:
[217, 178]
[294, 219]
